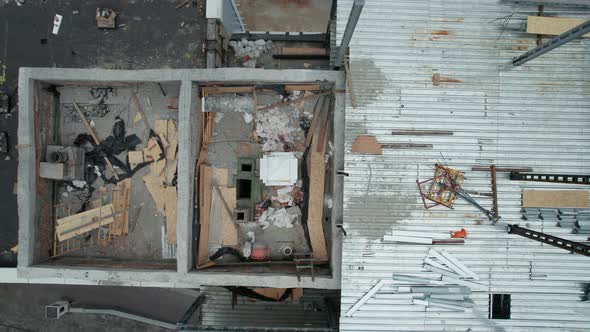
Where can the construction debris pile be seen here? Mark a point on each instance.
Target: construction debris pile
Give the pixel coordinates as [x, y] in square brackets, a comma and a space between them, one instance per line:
[250, 50]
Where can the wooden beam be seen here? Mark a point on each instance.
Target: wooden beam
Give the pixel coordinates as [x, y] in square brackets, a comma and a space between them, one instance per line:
[121, 203]
[302, 87]
[502, 169]
[140, 110]
[229, 229]
[401, 132]
[214, 90]
[315, 214]
[318, 107]
[301, 53]
[349, 84]
[204, 214]
[405, 146]
[83, 222]
[552, 26]
[95, 139]
[297, 100]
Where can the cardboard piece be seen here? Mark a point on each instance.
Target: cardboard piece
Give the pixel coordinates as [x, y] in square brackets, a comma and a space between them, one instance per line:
[555, 198]
[367, 144]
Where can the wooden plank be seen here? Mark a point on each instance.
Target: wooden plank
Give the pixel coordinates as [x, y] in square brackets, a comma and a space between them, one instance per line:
[229, 229]
[502, 169]
[317, 173]
[318, 51]
[171, 199]
[302, 87]
[172, 138]
[83, 222]
[405, 146]
[552, 26]
[161, 128]
[204, 213]
[349, 84]
[555, 198]
[213, 90]
[366, 144]
[140, 110]
[96, 141]
[156, 188]
[121, 203]
[271, 293]
[314, 120]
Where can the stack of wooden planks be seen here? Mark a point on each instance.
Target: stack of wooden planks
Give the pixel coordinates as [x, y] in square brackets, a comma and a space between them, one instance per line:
[160, 180]
[84, 222]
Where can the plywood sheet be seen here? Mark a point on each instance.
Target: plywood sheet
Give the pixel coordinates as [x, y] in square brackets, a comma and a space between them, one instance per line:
[552, 25]
[157, 167]
[229, 231]
[366, 144]
[170, 207]
[170, 171]
[83, 222]
[152, 151]
[172, 138]
[156, 188]
[555, 198]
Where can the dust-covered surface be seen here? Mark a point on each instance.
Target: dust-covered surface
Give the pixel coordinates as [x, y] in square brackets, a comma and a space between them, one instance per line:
[151, 34]
[103, 110]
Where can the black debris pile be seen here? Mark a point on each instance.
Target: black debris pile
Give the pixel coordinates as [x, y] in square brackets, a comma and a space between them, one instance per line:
[227, 251]
[100, 109]
[112, 146]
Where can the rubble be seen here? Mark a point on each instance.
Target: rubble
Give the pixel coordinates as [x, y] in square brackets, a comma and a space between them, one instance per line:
[250, 50]
[276, 131]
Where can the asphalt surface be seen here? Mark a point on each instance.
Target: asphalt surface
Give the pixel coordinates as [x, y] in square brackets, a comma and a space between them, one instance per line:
[151, 34]
[23, 307]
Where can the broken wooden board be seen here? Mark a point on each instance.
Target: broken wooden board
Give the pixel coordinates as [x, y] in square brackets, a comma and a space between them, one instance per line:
[555, 198]
[172, 137]
[317, 174]
[217, 215]
[135, 158]
[83, 222]
[170, 171]
[317, 112]
[367, 144]
[152, 152]
[552, 26]
[170, 205]
[156, 168]
[121, 202]
[277, 293]
[156, 188]
[204, 213]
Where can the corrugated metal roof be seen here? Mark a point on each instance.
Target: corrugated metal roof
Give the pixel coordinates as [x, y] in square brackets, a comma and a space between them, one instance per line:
[310, 311]
[534, 116]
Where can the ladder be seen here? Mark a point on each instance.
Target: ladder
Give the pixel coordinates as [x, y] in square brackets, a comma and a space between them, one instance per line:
[574, 247]
[304, 261]
[557, 178]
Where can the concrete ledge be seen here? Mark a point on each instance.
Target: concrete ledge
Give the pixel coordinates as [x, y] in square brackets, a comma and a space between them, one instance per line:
[188, 148]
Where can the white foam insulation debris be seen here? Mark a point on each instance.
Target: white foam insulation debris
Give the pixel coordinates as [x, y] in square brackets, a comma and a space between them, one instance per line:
[279, 169]
[250, 50]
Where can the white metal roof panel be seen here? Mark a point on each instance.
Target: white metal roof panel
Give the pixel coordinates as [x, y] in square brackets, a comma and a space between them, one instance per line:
[534, 116]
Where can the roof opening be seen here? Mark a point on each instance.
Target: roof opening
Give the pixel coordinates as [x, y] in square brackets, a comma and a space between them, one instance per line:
[499, 306]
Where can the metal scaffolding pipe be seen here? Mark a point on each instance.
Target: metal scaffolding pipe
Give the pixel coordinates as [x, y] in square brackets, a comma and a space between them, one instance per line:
[355, 13]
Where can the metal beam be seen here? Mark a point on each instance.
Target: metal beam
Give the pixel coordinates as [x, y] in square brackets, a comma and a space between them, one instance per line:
[191, 311]
[575, 247]
[355, 13]
[552, 44]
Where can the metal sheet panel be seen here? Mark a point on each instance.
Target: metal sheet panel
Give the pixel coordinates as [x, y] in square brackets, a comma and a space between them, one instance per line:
[310, 311]
[534, 116]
